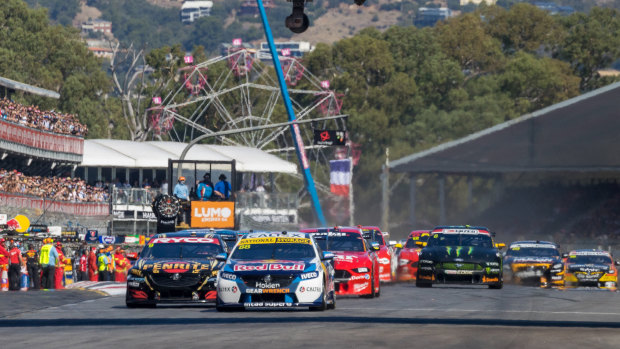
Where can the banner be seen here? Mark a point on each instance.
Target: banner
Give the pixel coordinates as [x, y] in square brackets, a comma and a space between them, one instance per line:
[78, 209]
[92, 236]
[41, 139]
[213, 214]
[340, 176]
[107, 239]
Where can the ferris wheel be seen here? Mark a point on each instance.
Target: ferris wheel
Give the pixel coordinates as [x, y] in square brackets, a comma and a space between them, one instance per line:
[238, 91]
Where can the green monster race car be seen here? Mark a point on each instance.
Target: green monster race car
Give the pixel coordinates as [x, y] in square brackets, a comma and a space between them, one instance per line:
[460, 254]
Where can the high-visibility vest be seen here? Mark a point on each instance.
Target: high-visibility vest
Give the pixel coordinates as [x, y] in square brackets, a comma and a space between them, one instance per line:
[102, 262]
[44, 257]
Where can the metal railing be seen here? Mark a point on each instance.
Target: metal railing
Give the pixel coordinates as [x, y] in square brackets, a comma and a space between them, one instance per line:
[133, 196]
[262, 200]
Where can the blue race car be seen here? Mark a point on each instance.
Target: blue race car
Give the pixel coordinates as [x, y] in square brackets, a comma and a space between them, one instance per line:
[269, 270]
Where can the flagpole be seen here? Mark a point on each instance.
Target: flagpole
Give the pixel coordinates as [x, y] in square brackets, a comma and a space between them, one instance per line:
[351, 205]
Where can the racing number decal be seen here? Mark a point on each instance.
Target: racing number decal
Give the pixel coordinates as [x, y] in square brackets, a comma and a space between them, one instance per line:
[244, 246]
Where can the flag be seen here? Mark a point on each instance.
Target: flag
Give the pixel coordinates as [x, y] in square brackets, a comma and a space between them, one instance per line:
[340, 176]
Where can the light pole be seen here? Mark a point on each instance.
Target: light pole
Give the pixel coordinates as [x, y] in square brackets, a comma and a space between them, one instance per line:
[297, 140]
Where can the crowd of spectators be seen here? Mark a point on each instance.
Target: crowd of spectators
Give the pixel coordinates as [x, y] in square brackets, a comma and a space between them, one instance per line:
[48, 120]
[54, 188]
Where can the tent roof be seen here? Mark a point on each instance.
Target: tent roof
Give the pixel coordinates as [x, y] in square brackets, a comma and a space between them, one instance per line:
[121, 153]
[581, 134]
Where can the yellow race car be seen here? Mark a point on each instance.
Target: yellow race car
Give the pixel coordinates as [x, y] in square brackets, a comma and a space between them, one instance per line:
[590, 268]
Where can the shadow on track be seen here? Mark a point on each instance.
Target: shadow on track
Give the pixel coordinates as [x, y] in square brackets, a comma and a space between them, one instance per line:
[13, 323]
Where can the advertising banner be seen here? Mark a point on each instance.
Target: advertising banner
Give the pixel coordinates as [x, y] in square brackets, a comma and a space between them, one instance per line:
[41, 139]
[213, 214]
[79, 209]
[107, 239]
[92, 236]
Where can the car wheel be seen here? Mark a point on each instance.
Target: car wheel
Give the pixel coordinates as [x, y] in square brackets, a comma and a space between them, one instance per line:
[323, 305]
[496, 286]
[332, 306]
[420, 283]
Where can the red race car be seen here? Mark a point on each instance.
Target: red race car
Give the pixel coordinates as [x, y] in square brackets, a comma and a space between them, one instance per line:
[409, 255]
[375, 237]
[356, 264]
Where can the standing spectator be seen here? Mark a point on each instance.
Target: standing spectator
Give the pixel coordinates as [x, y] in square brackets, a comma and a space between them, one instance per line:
[60, 267]
[25, 280]
[4, 266]
[83, 267]
[48, 258]
[15, 267]
[180, 189]
[222, 188]
[164, 188]
[93, 270]
[205, 188]
[32, 264]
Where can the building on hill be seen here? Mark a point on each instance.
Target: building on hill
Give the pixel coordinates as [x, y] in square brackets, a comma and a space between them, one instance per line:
[100, 48]
[427, 17]
[477, 2]
[192, 10]
[97, 26]
[293, 49]
[250, 7]
[555, 9]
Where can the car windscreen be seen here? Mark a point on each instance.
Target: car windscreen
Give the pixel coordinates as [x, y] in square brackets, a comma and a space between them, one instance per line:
[532, 252]
[342, 241]
[247, 250]
[413, 239]
[181, 250]
[588, 259]
[374, 235]
[475, 240]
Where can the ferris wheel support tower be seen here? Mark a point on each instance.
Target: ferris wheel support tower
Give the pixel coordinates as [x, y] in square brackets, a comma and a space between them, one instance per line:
[297, 140]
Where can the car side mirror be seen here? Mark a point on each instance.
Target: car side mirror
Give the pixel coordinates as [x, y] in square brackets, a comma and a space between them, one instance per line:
[564, 255]
[398, 245]
[617, 262]
[222, 257]
[500, 245]
[420, 243]
[375, 246]
[327, 256]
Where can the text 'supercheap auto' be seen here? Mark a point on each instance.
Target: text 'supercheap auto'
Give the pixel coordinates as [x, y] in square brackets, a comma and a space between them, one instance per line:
[273, 270]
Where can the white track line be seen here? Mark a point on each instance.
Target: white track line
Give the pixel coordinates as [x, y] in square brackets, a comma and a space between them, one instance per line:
[484, 311]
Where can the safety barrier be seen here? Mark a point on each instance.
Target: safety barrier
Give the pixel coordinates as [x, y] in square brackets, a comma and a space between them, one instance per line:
[70, 208]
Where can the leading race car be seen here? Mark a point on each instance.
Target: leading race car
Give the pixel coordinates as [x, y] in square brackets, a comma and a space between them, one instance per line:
[355, 262]
[534, 263]
[267, 270]
[590, 268]
[175, 268]
[385, 254]
[460, 254]
[409, 255]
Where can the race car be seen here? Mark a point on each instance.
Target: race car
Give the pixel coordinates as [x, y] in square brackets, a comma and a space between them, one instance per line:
[175, 268]
[229, 237]
[356, 264]
[268, 270]
[460, 254]
[384, 254]
[534, 263]
[409, 254]
[590, 268]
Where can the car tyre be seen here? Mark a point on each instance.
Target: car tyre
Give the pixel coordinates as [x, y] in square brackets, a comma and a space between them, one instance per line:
[496, 286]
[422, 284]
[323, 305]
[332, 306]
[372, 289]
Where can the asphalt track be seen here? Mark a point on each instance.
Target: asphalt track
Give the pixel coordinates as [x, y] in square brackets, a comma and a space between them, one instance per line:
[403, 317]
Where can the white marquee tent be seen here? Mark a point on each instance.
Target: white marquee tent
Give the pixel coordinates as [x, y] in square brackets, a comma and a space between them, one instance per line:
[155, 155]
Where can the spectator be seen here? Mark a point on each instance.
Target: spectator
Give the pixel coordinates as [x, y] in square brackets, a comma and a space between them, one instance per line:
[93, 270]
[34, 269]
[32, 116]
[180, 189]
[222, 188]
[48, 259]
[205, 188]
[15, 267]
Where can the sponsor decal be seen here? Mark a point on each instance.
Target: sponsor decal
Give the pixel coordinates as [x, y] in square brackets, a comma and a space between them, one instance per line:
[589, 253]
[229, 289]
[425, 277]
[133, 284]
[185, 240]
[269, 266]
[213, 214]
[360, 287]
[267, 304]
[459, 272]
[267, 285]
[360, 277]
[426, 268]
[138, 294]
[533, 246]
[310, 289]
[345, 258]
[384, 261]
[488, 279]
[177, 267]
[310, 275]
[266, 235]
[463, 231]
[425, 261]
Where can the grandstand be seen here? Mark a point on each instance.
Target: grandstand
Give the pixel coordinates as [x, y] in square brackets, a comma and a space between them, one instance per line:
[554, 174]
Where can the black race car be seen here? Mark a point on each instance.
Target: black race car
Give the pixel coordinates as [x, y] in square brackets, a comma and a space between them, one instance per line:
[537, 263]
[176, 268]
[460, 254]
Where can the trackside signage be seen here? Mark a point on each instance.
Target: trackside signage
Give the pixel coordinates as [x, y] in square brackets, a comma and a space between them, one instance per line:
[213, 214]
[41, 139]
